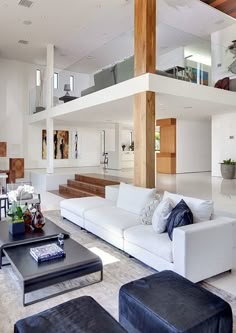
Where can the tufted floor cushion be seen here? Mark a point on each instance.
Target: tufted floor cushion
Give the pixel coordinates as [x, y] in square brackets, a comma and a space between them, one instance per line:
[80, 315]
[168, 303]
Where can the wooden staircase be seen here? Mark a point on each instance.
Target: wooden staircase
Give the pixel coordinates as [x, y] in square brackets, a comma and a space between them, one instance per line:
[88, 185]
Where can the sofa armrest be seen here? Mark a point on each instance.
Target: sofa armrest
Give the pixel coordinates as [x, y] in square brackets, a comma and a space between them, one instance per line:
[204, 249]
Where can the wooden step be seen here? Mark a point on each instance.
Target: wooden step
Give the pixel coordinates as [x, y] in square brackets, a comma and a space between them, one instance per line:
[101, 180]
[73, 192]
[88, 187]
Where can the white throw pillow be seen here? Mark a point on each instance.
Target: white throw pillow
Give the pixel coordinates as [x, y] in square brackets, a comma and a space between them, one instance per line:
[202, 209]
[161, 214]
[133, 198]
[146, 214]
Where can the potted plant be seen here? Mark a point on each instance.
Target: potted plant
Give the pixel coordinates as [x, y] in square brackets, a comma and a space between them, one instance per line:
[228, 169]
[16, 220]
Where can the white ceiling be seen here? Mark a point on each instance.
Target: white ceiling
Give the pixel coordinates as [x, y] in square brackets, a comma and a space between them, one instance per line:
[92, 34]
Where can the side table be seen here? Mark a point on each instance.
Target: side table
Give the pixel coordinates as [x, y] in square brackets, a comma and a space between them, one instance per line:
[67, 98]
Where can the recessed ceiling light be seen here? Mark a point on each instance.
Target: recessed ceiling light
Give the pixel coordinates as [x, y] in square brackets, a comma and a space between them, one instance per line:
[188, 107]
[24, 42]
[26, 3]
[27, 22]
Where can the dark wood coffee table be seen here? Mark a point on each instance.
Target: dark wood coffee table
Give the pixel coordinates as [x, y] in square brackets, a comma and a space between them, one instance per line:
[78, 262]
[50, 230]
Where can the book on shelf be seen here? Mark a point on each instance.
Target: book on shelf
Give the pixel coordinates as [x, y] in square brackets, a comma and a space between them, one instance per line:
[47, 252]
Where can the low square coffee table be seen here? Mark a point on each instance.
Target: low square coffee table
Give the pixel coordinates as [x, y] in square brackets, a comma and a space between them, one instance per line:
[50, 230]
[78, 262]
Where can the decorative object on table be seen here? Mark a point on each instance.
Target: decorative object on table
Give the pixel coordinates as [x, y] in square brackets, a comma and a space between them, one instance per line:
[3, 149]
[38, 220]
[27, 216]
[67, 89]
[23, 192]
[60, 239]
[227, 169]
[16, 227]
[47, 252]
[61, 144]
[16, 221]
[123, 147]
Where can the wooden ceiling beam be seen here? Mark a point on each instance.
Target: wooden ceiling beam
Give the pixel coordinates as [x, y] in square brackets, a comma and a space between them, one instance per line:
[226, 6]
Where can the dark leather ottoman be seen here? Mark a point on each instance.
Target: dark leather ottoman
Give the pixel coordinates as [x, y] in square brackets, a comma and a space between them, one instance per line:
[166, 302]
[82, 314]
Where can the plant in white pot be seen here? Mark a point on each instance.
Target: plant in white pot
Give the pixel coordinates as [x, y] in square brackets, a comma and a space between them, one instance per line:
[228, 169]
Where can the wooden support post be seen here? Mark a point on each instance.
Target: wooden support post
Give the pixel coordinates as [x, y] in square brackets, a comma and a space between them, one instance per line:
[144, 103]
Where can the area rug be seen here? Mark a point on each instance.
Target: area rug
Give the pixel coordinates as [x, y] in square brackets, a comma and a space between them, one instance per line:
[119, 269]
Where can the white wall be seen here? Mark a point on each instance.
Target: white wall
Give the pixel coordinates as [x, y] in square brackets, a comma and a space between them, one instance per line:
[171, 59]
[17, 82]
[88, 147]
[221, 58]
[193, 146]
[223, 126]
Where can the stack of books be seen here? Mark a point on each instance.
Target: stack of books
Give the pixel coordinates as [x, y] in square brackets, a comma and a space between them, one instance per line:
[47, 252]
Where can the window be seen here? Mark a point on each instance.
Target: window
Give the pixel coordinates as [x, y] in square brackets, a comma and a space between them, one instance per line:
[72, 83]
[55, 81]
[38, 77]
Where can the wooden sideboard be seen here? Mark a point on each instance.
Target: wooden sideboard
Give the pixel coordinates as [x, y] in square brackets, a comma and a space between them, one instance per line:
[166, 158]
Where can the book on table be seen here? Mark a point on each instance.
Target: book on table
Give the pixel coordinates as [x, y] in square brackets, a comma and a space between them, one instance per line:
[47, 252]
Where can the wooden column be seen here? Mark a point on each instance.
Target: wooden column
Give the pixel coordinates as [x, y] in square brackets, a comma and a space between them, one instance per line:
[144, 103]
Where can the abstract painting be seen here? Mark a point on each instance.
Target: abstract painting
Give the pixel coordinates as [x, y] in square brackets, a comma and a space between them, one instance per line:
[196, 75]
[60, 144]
[3, 149]
[75, 146]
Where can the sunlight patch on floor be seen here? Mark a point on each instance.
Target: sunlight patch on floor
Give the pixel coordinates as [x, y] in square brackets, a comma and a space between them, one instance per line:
[105, 257]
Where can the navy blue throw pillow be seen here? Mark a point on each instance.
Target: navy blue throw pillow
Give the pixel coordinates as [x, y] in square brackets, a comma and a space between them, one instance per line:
[181, 215]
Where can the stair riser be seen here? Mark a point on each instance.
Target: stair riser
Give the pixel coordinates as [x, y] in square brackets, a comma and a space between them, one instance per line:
[73, 192]
[97, 190]
[95, 181]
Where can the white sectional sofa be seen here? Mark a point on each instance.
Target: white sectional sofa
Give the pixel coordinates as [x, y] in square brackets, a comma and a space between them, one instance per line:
[198, 251]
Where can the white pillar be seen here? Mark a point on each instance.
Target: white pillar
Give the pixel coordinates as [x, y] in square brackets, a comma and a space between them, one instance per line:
[118, 143]
[114, 157]
[49, 76]
[50, 146]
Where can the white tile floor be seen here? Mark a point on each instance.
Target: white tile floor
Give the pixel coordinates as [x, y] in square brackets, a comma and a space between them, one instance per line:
[201, 185]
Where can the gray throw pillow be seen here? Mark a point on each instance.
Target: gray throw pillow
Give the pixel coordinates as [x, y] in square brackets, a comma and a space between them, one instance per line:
[146, 213]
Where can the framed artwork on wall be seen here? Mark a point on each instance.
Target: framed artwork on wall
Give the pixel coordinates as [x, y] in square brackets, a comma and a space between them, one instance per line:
[75, 145]
[60, 144]
[3, 149]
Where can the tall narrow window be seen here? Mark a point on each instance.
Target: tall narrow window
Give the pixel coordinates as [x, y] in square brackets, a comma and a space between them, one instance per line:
[72, 83]
[55, 81]
[38, 77]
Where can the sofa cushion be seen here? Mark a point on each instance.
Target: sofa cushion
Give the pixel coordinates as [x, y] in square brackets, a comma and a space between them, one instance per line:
[202, 209]
[79, 205]
[146, 214]
[133, 198]
[112, 219]
[144, 237]
[181, 215]
[161, 214]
